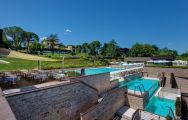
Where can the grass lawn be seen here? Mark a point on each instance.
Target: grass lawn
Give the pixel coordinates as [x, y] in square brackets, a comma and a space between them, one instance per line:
[18, 64]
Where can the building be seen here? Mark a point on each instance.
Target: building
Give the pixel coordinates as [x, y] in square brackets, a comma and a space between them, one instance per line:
[47, 44]
[70, 48]
[137, 59]
[161, 60]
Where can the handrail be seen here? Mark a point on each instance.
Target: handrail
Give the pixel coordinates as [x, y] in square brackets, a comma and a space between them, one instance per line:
[116, 118]
[139, 87]
[170, 110]
[143, 87]
[135, 115]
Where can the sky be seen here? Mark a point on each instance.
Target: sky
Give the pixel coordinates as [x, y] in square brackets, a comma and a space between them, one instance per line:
[160, 22]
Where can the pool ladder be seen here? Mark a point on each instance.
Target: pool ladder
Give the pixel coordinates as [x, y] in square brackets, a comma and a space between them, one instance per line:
[139, 87]
[171, 111]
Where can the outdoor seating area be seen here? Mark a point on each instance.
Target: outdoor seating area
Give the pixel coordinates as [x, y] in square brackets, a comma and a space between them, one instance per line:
[31, 77]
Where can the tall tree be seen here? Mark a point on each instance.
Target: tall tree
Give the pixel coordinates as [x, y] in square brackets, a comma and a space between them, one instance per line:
[110, 49]
[147, 50]
[29, 37]
[104, 49]
[85, 47]
[14, 33]
[94, 48]
[168, 52]
[136, 50]
[78, 49]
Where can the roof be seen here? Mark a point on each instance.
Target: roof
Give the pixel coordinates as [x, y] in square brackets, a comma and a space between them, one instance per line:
[162, 58]
[143, 59]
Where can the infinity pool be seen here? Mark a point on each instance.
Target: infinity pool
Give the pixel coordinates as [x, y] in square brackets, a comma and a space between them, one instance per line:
[92, 71]
[144, 84]
[160, 106]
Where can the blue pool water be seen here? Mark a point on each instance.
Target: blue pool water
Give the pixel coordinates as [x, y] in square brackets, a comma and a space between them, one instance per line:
[92, 71]
[160, 106]
[147, 84]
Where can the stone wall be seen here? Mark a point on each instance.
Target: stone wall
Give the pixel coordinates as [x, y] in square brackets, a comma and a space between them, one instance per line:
[60, 102]
[99, 81]
[107, 108]
[137, 101]
[179, 72]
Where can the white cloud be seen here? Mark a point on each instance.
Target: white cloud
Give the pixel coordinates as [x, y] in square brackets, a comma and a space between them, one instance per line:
[67, 31]
[42, 38]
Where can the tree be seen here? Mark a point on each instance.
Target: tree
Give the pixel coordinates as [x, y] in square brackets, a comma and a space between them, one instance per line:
[143, 50]
[104, 49]
[147, 50]
[110, 49]
[85, 48]
[15, 33]
[52, 40]
[29, 37]
[168, 52]
[36, 47]
[94, 48]
[61, 46]
[136, 50]
[78, 49]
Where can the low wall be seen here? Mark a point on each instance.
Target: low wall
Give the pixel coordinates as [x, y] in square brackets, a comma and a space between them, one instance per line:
[179, 72]
[136, 101]
[6, 112]
[61, 102]
[107, 108]
[101, 82]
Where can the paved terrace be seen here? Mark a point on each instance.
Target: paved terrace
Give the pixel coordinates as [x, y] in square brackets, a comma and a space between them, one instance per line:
[6, 112]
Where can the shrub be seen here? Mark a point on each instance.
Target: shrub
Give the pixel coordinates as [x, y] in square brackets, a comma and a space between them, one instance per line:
[168, 118]
[73, 74]
[178, 107]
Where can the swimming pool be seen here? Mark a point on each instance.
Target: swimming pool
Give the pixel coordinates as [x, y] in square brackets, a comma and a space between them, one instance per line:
[160, 106]
[92, 71]
[144, 84]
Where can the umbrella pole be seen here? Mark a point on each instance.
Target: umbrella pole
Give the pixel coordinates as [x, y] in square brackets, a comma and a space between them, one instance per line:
[38, 64]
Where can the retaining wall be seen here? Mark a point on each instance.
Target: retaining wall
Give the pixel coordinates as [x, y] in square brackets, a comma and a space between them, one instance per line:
[107, 108]
[62, 102]
[137, 101]
[101, 82]
[179, 72]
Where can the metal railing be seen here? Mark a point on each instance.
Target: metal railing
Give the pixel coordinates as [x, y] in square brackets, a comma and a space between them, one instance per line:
[139, 87]
[137, 115]
[171, 111]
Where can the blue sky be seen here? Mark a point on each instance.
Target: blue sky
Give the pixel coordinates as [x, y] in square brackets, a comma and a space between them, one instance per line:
[160, 22]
